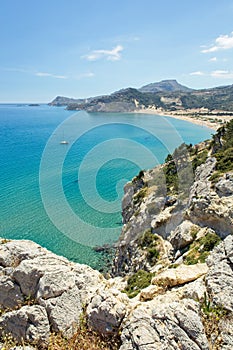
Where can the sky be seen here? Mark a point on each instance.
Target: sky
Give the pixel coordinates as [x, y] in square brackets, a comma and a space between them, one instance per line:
[83, 48]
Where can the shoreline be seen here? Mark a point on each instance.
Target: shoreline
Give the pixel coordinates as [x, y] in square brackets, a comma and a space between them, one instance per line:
[212, 121]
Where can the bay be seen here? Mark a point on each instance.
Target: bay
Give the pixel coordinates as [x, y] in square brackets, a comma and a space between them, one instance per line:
[40, 177]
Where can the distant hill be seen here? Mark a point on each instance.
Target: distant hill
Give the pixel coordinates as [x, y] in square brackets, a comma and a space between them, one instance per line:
[164, 86]
[167, 95]
[64, 101]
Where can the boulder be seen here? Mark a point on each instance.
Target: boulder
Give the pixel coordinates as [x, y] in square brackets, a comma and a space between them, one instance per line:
[219, 279]
[224, 187]
[10, 293]
[139, 333]
[180, 275]
[64, 312]
[13, 252]
[183, 235]
[107, 310]
[28, 273]
[171, 326]
[29, 323]
[183, 321]
[87, 281]
[150, 292]
[195, 290]
[54, 283]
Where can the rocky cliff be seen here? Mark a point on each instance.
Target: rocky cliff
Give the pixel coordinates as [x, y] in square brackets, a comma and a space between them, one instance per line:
[185, 307]
[174, 264]
[167, 211]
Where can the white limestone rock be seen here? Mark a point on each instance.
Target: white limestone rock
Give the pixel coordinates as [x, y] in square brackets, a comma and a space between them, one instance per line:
[29, 323]
[224, 187]
[180, 275]
[171, 326]
[64, 312]
[53, 284]
[183, 235]
[107, 310]
[28, 273]
[219, 279]
[10, 293]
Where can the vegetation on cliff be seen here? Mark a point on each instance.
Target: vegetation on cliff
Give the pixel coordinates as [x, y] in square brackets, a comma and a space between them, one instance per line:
[163, 205]
[167, 95]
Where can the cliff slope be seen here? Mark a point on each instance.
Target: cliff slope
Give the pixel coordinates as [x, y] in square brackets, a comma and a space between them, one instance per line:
[173, 269]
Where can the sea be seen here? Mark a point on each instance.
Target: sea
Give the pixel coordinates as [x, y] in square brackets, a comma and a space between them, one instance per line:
[66, 196]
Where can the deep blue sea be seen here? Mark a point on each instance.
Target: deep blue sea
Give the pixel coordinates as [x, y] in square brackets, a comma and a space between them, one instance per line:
[67, 197]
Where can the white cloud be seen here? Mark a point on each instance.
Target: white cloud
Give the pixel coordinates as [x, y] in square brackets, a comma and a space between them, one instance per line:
[87, 75]
[38, 74]
[44, 74]
[199, 73]
[226, 74]
[110, 55]
[223, 42]
[213, 59]
[223, 74]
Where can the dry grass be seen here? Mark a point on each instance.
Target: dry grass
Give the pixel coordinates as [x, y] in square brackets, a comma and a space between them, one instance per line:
[84, 339]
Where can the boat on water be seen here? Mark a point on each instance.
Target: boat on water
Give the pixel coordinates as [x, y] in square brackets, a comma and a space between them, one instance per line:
[64, 142]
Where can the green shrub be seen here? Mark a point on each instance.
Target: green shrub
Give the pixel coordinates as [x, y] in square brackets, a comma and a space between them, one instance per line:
[209, 241]
[212, 315]
[138, 281]
[224, 160]
[153, 255]
[138, 177]
[199, 159]
[215, 177]
[149, 242]
[200, 249]
[147, 239]
[138, 197]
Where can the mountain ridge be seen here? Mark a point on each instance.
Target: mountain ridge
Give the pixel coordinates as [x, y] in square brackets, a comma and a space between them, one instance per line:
[170, 85]
[167, 95]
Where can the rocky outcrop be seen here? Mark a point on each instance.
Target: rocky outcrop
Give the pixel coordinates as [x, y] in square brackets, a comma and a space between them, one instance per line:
[169, 314]
[219, 279]
[210, 205]
[143, 209]
[107, 311]
[182, 235]
[64, 101]
[42, 292]
[167, 326]
[178, 220]
[29, 323]
[180, 275]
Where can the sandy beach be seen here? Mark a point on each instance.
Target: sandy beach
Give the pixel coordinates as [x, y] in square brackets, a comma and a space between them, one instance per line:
[210, 120]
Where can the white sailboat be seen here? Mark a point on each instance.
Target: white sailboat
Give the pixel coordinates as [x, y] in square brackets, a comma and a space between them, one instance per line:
[63, 141]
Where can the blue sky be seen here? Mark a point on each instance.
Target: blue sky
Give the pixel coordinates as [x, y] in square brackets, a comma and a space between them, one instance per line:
[82, 48]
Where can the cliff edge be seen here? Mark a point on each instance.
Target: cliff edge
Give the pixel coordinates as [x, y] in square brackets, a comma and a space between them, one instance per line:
[172, 276]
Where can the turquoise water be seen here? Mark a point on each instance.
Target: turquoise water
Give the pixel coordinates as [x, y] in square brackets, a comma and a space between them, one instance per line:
[104, 151]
